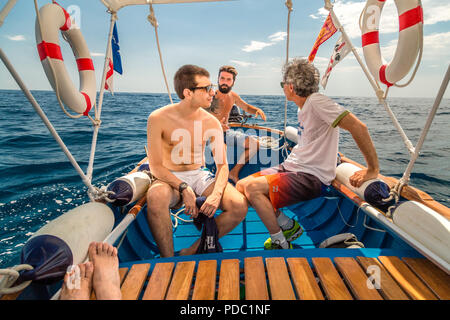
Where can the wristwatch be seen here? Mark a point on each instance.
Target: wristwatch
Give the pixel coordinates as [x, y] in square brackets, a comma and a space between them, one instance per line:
[182, 186]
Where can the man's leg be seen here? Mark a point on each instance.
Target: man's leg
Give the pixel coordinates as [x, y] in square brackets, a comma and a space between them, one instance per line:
[256, 190]
[251, 147]
[160, 197]
[234, 208]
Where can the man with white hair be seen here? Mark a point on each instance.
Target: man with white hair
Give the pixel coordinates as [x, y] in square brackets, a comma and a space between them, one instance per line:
[312, 162]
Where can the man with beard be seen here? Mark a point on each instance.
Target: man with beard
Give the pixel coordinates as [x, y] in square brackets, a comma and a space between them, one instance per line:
[221, 106]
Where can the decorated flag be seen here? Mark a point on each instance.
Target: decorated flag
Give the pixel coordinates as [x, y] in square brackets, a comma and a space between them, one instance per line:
[328, 29]
[115, 62]
[341, 49]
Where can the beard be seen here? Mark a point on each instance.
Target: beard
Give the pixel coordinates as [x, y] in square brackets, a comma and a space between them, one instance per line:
[225, 88]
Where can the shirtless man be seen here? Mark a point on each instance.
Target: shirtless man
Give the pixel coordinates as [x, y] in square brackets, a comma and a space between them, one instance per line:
[176, 136]
[221, 106]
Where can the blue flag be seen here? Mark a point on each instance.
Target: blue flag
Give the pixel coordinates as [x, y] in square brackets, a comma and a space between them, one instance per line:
[117, 61]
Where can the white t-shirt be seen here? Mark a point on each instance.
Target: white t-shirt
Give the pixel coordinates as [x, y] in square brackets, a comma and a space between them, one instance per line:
[317, 147]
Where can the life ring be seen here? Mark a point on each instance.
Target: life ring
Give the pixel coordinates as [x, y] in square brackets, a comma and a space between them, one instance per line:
[53, 17]
[409, 41]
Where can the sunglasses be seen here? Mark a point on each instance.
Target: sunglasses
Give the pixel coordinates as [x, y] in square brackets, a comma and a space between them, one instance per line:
[282, 83]
[207, 88]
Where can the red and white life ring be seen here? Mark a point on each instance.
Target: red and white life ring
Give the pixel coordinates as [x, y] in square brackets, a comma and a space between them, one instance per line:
[53, 18]
[409, 41]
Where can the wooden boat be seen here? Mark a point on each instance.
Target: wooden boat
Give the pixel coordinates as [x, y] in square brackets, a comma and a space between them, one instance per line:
[399, 258]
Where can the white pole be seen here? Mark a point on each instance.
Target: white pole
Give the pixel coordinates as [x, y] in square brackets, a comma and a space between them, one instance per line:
[6, 9]
[378, 91]
[98, 110]
[427, 126]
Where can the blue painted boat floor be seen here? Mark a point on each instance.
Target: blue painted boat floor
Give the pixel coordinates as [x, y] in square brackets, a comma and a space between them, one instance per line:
[248, 238]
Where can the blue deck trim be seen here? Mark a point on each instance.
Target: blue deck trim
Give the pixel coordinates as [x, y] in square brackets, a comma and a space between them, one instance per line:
[304, 253]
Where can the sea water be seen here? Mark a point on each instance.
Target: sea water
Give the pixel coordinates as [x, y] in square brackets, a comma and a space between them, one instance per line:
[38, 183]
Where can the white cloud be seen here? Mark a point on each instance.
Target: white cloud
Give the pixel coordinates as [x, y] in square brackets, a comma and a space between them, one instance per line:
[278, 36]
[256, 46]
[18, 37]
[97, 54]
[243, 63]
[259, 45]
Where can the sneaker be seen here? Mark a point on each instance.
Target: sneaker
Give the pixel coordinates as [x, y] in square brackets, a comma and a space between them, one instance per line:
[268, 245]
[294, 232]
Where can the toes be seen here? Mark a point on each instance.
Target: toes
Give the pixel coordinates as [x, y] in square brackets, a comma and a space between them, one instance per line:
[92, 250]
[89, 269]
[82, 269]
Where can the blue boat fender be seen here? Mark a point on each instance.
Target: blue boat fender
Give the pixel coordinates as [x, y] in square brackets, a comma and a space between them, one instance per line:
[129, 188]
[50, 256]
[373, 191]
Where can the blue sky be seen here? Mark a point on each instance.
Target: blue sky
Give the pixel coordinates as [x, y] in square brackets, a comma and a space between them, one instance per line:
[249, 34]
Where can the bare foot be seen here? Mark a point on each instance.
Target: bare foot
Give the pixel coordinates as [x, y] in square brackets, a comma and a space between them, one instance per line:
[191, 250]
[106, 279]
[78, 282]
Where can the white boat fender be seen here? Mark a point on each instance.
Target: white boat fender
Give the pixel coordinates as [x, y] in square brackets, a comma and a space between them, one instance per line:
[425, 225]
[52, 19]
[129, 188]
[292, 134]
[372, 191]
[409, 40]
[343, 240]
[77, 228]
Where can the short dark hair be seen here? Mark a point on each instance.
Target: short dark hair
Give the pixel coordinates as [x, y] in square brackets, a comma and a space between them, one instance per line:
[229, 69]
[304, 76]
[185, 78]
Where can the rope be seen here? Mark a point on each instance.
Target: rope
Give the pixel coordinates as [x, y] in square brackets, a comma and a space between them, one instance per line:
[152, 19]
[10, 277]
[289, 7]
[177, 218]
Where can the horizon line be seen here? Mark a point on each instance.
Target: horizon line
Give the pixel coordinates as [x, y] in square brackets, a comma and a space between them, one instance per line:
[242, 94]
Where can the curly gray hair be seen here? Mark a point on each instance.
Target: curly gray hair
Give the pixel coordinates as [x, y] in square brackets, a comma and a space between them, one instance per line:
[304, 76]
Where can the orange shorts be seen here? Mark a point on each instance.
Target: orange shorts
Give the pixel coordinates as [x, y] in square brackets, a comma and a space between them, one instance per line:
[289, 187]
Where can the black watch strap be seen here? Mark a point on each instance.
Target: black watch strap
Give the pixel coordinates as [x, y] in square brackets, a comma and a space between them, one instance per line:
[182, 187]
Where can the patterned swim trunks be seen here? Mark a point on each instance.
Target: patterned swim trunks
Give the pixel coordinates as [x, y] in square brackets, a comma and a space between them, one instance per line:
[288, 187]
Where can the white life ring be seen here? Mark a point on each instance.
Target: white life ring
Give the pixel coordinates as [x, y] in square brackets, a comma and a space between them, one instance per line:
[53, 18]
[409, 41]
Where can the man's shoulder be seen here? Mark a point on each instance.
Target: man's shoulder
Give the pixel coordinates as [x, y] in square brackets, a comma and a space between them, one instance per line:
[162, 110]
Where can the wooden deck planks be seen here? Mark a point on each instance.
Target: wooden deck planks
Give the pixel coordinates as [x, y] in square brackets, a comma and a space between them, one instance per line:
[229, 280]
[255, 279]
[159, 281]
[181, 281]
[304, 280]
[205, 280]
[356, 279]
[134, 282]
[330, 279]
[436, 279]
[389, 289]
[280, 283]
[407, 280]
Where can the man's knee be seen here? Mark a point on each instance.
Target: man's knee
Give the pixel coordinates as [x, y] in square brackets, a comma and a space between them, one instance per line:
[159, 197]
